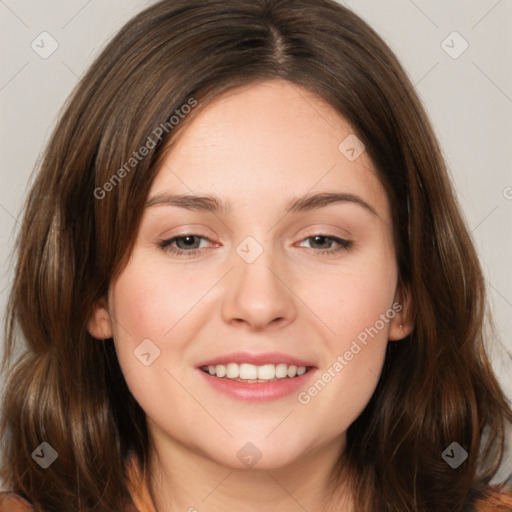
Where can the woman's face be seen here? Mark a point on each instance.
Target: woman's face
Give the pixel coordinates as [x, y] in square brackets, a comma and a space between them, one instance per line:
[258, 286]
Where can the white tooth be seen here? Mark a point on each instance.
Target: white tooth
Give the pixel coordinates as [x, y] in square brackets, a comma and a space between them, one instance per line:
[292, 370]
[281, 370]
[267, 372]
[252, 373]
[220, 370]
[232, 371]
[248, 371]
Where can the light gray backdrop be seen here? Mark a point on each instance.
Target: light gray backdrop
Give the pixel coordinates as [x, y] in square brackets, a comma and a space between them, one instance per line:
[457, 52]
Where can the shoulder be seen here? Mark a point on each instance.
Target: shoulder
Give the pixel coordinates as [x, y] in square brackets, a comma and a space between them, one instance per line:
[12, 502]
[494, 500]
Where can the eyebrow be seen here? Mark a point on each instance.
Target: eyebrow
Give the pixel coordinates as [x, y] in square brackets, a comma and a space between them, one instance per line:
[299, 204]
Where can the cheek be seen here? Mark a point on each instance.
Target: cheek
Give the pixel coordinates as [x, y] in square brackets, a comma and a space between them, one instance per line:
[143, 310]
[353, 302]
[150, 300]
[357, 307]
[147, 302]
[153, 301]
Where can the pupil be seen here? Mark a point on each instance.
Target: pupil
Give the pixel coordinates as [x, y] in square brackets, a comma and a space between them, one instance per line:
[320, 239]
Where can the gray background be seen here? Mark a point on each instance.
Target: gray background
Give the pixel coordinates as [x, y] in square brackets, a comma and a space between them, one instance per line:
[468, 98]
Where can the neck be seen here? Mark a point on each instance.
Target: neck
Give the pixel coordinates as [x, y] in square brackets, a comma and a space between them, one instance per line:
[183, 480]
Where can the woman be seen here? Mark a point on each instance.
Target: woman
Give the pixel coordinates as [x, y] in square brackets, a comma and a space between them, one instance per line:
[322, 346]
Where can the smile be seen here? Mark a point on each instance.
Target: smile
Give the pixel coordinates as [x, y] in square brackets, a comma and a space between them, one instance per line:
[257, 377]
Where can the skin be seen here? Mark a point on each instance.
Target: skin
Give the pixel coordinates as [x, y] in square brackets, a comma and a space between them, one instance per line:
[258, 147]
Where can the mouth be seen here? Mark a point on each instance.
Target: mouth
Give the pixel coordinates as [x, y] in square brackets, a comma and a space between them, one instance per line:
[257, 377]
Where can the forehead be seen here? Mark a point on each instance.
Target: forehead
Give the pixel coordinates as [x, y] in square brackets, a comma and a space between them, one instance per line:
[269, 141]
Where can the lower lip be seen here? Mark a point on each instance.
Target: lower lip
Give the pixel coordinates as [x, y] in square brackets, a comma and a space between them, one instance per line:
[258, 391]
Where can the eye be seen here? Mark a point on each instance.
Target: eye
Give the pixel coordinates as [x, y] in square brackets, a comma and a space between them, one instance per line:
[187, 241]
[320, 239]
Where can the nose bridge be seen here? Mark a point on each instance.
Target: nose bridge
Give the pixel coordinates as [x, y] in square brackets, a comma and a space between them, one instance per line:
[257, 293]
[254, 262]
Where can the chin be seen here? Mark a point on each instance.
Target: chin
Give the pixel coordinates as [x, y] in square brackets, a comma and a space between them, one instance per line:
[255, 452]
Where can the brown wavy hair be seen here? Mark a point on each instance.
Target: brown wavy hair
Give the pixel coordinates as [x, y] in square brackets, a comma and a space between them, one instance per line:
[67, 388]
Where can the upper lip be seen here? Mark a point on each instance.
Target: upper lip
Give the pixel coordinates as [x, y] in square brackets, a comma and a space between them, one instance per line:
[256, 359]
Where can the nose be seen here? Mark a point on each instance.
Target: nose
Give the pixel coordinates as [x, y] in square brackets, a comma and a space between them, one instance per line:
[258, 294]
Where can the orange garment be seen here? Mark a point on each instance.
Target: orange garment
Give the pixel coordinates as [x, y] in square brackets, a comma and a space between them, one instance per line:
[10, 502]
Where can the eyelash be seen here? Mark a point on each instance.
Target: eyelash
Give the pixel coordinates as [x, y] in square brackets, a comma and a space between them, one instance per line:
[166, 246]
